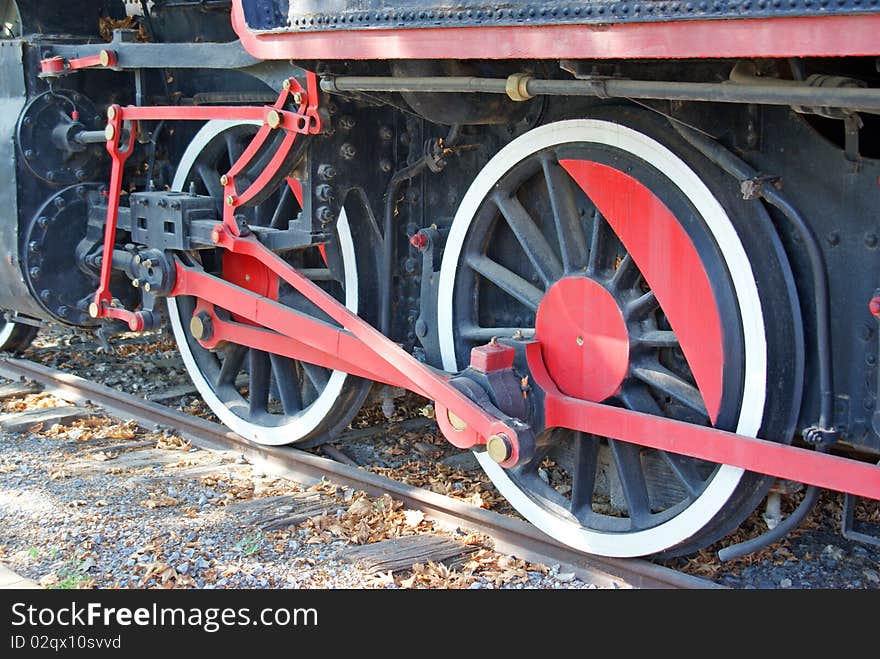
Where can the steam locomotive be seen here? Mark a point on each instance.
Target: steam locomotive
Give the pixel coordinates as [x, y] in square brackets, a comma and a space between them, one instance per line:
[627, 247]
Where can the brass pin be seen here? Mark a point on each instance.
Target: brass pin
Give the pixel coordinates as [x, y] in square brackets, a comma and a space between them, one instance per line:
[110, 133]
[273, 119]
[498, 448]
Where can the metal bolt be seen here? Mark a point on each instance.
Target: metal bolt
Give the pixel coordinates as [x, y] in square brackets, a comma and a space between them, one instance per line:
[286, 85]
[109, 133]
[137, 259]
[111, 112]
[385, 165]
[62, 311]
[45, 294]
[499, 449]
[348, 151]
[230, 200]
[385, 133]
[35, 272]
[298, 98]
[147, 287]
[148, 263]
[833, 238]
[580, 340]
[324, 192]
[29, 154]
[136, 283]
[224, 180]
[93, 310]
[327, 172]
[81, 174]
[347, 122]
[325, 215]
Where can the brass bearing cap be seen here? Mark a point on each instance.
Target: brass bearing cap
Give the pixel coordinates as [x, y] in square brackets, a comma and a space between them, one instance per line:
[273, 119]
[499, 448]
[201, 326]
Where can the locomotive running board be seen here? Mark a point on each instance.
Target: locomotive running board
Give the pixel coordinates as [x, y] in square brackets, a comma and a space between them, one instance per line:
[368, 353]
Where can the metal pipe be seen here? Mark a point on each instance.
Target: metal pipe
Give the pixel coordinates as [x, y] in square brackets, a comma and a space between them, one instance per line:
[743, 172]
[389, 242]
[781, 530]
[778, 93]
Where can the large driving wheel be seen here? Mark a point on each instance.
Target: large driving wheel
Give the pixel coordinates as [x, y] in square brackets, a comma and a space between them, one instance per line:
[653, 286]
[269, 399]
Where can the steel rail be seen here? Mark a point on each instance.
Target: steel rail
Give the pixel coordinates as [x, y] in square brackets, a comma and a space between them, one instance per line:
[510, 535]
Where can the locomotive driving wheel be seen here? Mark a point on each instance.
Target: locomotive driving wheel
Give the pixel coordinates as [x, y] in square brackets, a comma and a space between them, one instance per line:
[651, 285]
[269, 399]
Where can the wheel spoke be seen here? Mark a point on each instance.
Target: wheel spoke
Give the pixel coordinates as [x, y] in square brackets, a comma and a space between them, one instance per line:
[637, 397]
[627, 274]
[583, 478]
[284, 208]
[657, 339]
[318, 376]
[569, 232]
[603, 246]
[662, 379]
[530, 238]
[632, 479]
[642, 306]
[288, 386]
[507, 280]
[260, 379]
[234, 147]
[232, 363]
[211, 180]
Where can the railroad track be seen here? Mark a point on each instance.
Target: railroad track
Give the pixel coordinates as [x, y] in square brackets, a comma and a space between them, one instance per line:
[510, 535]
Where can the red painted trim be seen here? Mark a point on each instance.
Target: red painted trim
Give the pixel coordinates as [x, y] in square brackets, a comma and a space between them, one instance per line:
[767, 37]
[670, 264]
[359, 343]
[758, 455]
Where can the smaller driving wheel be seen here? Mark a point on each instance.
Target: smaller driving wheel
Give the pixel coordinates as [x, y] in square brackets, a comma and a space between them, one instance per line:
[267, 398]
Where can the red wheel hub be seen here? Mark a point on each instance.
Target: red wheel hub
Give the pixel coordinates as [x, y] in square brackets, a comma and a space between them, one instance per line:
[584, 340]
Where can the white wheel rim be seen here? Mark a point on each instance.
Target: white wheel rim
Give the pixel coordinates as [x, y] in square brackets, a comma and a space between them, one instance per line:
[718, 491]
[6, 331]
[304, 423]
